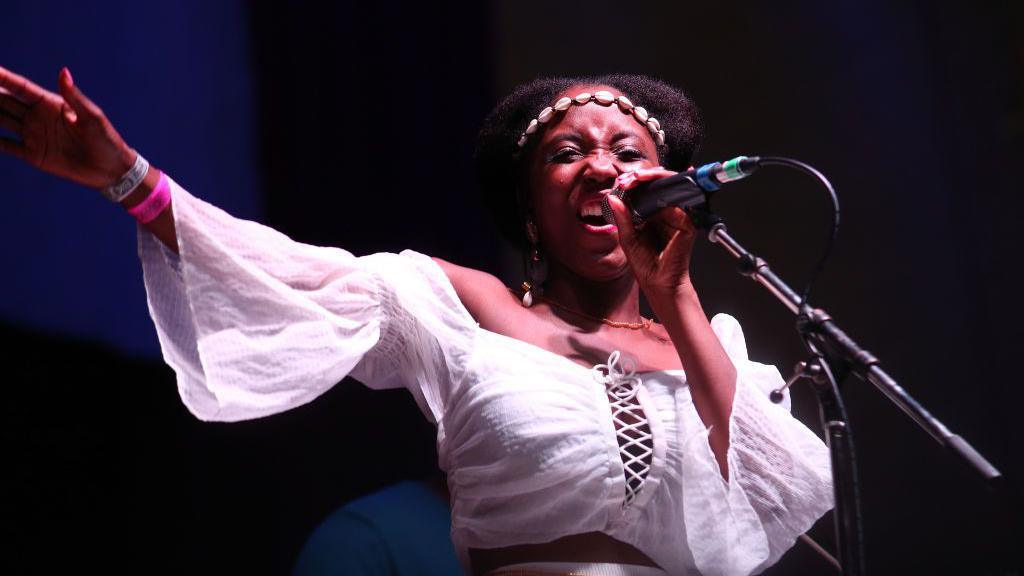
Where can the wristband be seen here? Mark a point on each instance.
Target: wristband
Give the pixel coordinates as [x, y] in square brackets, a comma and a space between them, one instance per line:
[129, 182]
[157, 201]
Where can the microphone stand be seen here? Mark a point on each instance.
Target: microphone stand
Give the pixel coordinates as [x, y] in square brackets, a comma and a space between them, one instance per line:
[832, 356]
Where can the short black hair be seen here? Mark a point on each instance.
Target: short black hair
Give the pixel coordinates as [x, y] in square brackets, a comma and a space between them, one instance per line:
[499, 165]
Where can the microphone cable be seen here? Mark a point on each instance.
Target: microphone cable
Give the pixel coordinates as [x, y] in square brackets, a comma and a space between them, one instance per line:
[833, 236]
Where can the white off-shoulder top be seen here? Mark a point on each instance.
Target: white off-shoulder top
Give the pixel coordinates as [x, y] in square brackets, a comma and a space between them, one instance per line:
[254, 323]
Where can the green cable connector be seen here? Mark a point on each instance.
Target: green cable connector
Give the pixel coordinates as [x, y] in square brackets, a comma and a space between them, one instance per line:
[731, 170]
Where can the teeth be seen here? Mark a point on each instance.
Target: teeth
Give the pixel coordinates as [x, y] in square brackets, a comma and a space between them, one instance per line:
[590, 210]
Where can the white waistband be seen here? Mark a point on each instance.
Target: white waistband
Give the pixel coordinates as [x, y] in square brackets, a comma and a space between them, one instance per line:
[581, 569]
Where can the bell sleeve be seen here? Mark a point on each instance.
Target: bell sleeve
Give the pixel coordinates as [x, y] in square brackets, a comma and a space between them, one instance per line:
[780, 479]
[254, 323]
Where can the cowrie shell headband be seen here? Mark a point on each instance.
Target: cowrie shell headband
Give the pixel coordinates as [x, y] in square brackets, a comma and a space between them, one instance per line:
[602, 97]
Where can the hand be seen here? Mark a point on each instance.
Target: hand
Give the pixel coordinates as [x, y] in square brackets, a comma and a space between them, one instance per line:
[64, 134]
[659, 250]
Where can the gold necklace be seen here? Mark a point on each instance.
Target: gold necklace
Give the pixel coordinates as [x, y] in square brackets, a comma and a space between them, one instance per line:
[643, 324]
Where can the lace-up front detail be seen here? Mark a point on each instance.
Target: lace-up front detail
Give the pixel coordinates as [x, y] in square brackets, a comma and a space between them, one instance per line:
[636, 446]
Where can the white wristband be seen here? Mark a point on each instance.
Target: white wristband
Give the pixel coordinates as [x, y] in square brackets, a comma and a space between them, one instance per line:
[129, 182]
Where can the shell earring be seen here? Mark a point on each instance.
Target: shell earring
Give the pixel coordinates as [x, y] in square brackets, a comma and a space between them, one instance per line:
[536, 268]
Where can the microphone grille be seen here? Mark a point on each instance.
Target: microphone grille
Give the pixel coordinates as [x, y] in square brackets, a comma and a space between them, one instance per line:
[606, 209]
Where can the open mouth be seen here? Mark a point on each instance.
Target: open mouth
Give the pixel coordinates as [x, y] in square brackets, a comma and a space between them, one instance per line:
[592, 220]
[590, 215]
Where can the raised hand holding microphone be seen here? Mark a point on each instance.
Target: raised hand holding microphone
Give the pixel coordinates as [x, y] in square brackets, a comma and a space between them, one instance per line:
[663, 196]
[659, 253]
[659, 250]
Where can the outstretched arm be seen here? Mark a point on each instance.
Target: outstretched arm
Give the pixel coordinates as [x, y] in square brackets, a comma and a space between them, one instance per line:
[67, 135]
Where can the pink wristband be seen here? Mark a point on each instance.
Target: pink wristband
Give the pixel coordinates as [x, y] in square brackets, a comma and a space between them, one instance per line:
[157, 201]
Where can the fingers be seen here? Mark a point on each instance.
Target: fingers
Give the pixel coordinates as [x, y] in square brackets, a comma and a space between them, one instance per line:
[673, 217]
[628, 180]
[20, 87]
[663, 225]
[80, 104]
[653, 173]
[8, 122]
[678, 245]
[11, 105]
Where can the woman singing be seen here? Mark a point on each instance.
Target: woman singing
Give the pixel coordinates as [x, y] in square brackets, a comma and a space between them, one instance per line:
[578, 437]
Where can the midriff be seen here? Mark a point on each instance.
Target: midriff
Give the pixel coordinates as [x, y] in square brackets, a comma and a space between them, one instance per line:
[588, 547]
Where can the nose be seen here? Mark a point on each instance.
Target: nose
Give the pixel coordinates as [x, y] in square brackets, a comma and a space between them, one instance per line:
[601, 167]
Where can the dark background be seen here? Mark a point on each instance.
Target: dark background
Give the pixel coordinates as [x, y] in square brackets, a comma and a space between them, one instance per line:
[353, 125]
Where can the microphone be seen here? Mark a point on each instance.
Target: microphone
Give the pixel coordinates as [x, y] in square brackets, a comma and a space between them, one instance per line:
[685, 190]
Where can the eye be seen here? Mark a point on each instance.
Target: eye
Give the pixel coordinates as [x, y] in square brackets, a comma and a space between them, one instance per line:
[565, 155]
[630, 154]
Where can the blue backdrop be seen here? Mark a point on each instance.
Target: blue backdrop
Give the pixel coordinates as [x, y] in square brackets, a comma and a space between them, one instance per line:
[176, 80]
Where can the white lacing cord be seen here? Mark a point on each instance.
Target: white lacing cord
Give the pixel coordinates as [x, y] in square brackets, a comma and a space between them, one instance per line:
[636, 445]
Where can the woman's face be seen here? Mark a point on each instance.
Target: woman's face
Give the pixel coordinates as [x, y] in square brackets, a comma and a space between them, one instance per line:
[574, 165]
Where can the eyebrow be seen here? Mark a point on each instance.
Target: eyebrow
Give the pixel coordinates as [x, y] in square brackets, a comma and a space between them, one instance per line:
[576, 138]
